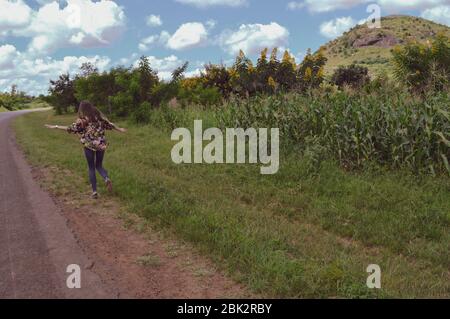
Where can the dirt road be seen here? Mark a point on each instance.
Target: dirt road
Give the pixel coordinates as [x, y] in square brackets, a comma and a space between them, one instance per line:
[36, 246]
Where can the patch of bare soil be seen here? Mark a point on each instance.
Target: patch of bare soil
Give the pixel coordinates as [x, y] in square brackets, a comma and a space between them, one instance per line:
[377, 40]
[128, 254]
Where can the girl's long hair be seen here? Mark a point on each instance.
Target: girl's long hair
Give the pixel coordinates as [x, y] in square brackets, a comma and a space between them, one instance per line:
[90, 112]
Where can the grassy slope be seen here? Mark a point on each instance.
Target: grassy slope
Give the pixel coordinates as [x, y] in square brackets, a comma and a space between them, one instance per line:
[404, 28]
[2, 109]
[289, 235]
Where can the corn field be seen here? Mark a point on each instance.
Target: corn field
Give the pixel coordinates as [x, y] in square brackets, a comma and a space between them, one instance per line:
[392, 130]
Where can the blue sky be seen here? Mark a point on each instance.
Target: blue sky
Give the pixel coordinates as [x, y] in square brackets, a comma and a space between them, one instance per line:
[39, 39]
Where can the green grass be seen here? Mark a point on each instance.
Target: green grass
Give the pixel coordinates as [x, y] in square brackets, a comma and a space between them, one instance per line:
[294, 234]
[2, 109]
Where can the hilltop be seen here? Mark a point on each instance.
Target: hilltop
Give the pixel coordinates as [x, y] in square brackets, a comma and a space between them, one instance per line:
[372, 47]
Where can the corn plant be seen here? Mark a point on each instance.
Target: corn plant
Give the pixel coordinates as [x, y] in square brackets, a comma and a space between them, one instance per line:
[396, 131]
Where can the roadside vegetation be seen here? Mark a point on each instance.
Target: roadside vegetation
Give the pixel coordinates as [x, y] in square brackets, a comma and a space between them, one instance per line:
[364, 174]
[18, 100]
[349, 118]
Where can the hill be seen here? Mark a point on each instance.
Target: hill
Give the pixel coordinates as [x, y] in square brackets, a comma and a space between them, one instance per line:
[372, 47]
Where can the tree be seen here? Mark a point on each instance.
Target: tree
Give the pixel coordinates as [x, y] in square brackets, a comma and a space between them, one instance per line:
[311, 70]
[63, 94]
[87, 69]
[147, 79]
[164, 92]
[286, 74]
[243, 75]
[217, 76]
[97, 88]
[274, 63]
[13, 89]
[263, 71]
[423, 67]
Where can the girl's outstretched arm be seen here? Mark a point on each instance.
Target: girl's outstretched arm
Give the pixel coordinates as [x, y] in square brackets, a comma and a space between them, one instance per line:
[56, 127]
[111, 126]
[118, 129]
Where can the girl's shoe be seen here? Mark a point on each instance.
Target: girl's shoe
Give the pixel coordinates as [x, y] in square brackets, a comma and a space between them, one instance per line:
[109, 185]
[94, 195]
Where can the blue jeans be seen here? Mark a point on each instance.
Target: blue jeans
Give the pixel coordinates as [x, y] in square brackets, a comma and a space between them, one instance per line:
[95, 162]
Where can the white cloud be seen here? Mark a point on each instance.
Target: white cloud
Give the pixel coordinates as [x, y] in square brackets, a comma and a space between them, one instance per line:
[55, 24]
[331, 5]
[336, 27]
[390, 6]
[14, 14]
[398, 5]
[188, 35]
[295, 5]
[154, 40]
[299, 57]
[42, 2]
[211, 24]
[145, 44]
[194, 73]
[154, 21]
[439, 14]
[210, 3]
[30, 86]
[33, 75]
[80, 23]
[7, 55]
[252, 38]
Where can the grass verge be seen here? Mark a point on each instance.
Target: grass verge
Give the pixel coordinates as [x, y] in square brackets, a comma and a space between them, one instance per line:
[294, 234]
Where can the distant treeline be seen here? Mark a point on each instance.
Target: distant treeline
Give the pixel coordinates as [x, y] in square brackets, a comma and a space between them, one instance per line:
[135, 91]
[126, 91]
[15, 99]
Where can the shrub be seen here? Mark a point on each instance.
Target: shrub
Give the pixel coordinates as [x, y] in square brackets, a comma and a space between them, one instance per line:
[354, 76]
[200, 95]
[143, 113]
[168, 118]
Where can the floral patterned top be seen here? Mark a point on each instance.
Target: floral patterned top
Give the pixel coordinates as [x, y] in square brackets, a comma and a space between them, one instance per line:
[92, 133]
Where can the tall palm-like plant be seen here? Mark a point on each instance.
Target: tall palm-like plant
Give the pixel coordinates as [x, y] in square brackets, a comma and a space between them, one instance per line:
[423, 67]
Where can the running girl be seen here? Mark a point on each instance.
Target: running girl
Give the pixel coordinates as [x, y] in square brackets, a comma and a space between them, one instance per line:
[91, 125]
